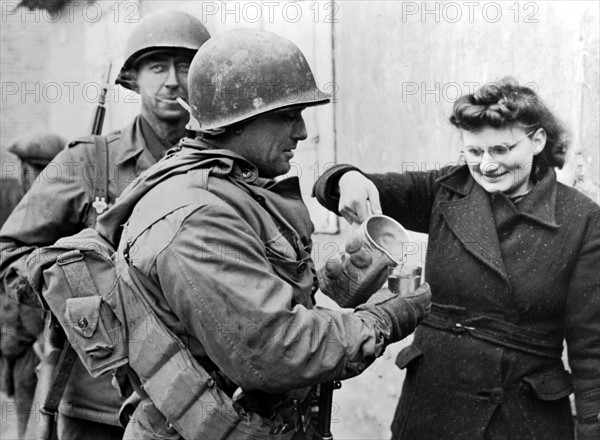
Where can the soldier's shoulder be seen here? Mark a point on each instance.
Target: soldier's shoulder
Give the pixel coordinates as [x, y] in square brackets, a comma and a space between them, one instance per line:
[88, 142]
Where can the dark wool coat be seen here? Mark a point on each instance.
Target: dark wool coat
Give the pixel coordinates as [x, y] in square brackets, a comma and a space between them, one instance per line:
[509, 284]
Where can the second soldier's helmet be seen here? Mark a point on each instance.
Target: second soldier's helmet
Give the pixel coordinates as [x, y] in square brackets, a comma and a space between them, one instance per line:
[245, 73]
[37, 149]
[173, 30]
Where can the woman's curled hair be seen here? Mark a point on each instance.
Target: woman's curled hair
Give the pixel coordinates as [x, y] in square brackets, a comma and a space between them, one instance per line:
[505, 103]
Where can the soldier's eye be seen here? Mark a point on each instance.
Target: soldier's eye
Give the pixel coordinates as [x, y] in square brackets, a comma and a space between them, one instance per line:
[183, 67]
[157, 67]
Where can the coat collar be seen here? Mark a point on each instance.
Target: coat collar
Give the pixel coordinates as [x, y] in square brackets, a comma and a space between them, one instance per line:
[132, 142]
[468, 212]
[139, 142]
[539, 205]
[240, 168]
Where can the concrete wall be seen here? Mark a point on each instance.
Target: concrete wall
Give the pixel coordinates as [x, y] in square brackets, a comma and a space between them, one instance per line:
[400, 65]
[398, 68]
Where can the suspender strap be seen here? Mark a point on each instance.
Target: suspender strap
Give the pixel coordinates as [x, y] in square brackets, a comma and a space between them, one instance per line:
[77, 273]
[459, 320]
[101, 182]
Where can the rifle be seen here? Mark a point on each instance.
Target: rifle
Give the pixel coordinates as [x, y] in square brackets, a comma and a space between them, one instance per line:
[98, 121]
[56, 362]
[323, 425]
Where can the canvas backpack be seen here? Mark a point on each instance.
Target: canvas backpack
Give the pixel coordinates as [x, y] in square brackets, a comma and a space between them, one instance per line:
[79, 281]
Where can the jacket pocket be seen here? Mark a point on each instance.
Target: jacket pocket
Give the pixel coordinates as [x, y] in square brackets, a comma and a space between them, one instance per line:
[407, 356]
[552, 385]
[95, 329]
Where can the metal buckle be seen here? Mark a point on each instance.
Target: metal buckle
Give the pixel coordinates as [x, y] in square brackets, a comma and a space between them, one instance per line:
[100, 205]
[459, 327]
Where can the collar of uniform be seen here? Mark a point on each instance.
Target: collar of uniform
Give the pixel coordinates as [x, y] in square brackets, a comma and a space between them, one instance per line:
[289, 187]
[241, 168]
[539, 204]
[132, 142]
[155, 145]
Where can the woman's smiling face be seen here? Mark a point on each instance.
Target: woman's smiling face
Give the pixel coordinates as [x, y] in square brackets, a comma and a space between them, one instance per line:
[505, 171]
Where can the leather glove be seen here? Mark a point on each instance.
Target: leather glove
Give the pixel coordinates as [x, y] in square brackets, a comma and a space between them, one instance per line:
[375, 245]
[398, 316]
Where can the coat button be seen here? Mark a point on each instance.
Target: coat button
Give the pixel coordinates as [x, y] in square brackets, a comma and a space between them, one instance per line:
[260, 199]
[497, 395]
[302, 267]
[82, 323]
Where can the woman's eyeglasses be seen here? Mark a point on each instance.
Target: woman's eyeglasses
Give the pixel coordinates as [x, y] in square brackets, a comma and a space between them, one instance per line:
[496, 151]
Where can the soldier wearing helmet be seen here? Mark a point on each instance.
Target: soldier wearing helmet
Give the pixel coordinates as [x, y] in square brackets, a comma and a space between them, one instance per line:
[22, 324]
[158, 55]
[223, 257]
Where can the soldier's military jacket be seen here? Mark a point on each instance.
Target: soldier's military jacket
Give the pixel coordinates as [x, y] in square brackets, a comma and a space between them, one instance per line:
[232, 275]
[58, 205]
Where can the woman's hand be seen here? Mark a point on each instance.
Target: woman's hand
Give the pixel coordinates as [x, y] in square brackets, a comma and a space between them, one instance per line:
[359, 197]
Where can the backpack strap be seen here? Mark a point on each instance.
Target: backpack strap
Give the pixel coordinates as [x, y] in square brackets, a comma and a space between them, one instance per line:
[101, 201]
[59, 382]
[77, 273]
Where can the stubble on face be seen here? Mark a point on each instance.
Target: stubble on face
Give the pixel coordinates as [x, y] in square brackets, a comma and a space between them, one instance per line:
[270, 141]
[162, 78]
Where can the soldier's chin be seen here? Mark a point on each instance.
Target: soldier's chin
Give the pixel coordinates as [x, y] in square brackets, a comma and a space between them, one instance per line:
[173, 115]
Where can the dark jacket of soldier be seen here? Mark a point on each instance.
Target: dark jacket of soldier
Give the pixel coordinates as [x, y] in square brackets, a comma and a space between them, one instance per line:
[235, 279]
[59, 206]
[531, 270]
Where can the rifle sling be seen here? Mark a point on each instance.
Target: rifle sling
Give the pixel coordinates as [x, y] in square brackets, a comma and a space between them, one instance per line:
[101, 180]
[59, 383]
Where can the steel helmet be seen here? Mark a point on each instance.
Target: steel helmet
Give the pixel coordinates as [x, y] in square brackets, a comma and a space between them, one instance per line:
[245, 73]
[171, 29]
[37, 148]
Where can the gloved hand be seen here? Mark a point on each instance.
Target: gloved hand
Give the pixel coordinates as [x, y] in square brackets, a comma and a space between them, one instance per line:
[362, 270]
[398, 316]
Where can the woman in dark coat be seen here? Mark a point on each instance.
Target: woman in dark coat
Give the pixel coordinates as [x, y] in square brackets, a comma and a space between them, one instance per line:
[513, 262]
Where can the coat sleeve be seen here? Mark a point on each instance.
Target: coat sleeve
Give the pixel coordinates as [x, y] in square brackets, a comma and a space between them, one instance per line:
[55, 206]
[216, 278]
[406, 197]
[583, 332]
